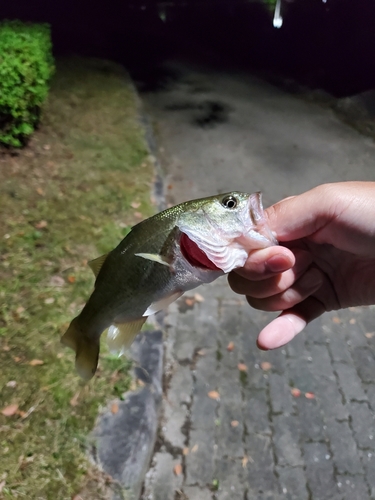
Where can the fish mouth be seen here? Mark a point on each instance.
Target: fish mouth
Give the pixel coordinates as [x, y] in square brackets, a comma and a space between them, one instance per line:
[194, 255]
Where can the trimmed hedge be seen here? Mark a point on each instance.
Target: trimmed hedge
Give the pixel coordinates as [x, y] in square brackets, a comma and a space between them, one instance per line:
[26, 66]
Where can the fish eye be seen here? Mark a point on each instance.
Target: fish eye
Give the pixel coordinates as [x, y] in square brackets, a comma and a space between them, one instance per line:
[229, 202]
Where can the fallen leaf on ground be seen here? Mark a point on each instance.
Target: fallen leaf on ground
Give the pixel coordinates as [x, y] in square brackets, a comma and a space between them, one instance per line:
[369, 335]
[234, 423]
[336, 320]
[71, 279]
[177, 469]
[185, 451]
[74, 400]
[201, 352]
[295, 392]
[309, 395]
[230, 346]
[50, 300]
[353, 321]
[17, 359]
[213, 395]
[20, 310]
[242, 367]
[2, 484]
[114, 408]
[36, 362]
[10, 410]
[194, 448]
[40, 191]
[265, 365]
[41, 224]
[12, 384]
[6, 348]
[189, 301]
[138, 215]
[198, 297]
[244, 461]
[57, 281]
[135, 204]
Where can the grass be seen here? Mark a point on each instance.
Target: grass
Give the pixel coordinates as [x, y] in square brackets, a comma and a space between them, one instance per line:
[66, 198]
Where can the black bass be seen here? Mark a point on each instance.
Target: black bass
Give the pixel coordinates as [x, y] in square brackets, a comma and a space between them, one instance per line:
[161, 258]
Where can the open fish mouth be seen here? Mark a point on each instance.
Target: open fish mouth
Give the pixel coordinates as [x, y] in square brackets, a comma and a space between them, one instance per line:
[194, 255]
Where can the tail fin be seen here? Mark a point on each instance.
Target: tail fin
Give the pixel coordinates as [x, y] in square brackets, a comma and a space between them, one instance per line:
[87, 350]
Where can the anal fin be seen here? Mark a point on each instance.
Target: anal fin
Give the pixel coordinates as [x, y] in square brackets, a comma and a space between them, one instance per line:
[120, 336]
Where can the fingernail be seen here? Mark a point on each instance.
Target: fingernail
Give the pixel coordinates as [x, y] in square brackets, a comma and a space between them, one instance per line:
[311, 279]
[277, 264]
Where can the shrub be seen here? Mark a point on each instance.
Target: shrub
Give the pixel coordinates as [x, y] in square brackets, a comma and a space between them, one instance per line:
[26, 66]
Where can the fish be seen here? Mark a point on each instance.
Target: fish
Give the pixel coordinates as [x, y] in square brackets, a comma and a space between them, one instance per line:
[162, 257]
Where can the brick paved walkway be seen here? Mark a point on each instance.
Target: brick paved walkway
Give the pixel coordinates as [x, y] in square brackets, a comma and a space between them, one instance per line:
[240, 432]
[232, 427]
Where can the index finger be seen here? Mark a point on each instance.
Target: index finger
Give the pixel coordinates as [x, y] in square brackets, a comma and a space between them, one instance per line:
[265, 263]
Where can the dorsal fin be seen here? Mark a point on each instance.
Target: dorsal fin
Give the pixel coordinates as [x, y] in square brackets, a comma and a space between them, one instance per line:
[96, 264]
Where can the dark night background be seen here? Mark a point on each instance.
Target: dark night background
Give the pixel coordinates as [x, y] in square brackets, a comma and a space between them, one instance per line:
[328, 45]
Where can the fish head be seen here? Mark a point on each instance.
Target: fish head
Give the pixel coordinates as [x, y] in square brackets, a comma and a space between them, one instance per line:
[225, 228]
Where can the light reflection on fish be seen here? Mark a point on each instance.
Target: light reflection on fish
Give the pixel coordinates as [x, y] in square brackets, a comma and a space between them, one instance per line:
[161, 258]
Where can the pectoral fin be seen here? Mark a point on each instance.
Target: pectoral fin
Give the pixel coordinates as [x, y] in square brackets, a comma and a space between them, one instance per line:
[96, 264]
[162, 304]
[154, 257]
[120, 336]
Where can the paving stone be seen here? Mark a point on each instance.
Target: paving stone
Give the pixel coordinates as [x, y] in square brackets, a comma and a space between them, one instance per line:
[353, 487]
[329, 397]
[277, 358]
[297, 347]
[203, 409]
[311, 422]
[355, 332]
[338, 347]
[195, 493]
[200, 459]
[364, 362]
[370, 392]
[230, 430]
[229, 473]
[286, 440]
[255, 412]
[161, 482]
[262, 485]
[300, 373]
[293, 483]
[363, 425]
[366, 319]
[368, 461]
[321, 362]
[259, 469]
[314, 333]
[320, 476]
[280, 395]
[173, 422]
[344, 448]
[259, 452]
[184, 346]
[350, 382]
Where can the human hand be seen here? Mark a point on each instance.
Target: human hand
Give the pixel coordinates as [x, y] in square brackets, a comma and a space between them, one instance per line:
[325, 261]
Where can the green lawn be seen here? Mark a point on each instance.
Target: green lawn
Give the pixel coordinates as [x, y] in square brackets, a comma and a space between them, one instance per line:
[66, 198]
